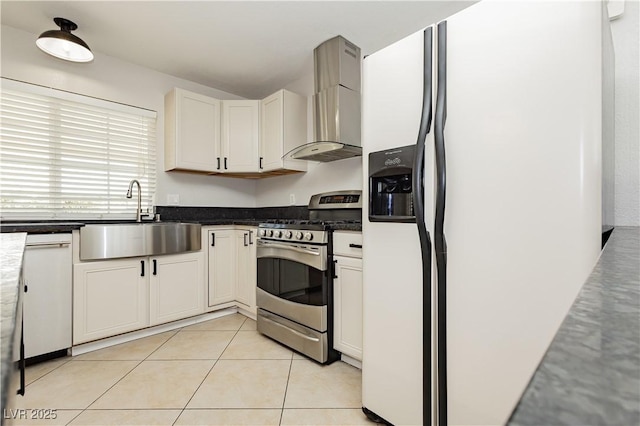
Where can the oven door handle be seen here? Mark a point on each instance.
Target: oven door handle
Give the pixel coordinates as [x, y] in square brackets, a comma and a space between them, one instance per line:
[288, 247]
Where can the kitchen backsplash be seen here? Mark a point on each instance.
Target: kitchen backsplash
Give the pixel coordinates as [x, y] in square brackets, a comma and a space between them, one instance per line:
[169, 213]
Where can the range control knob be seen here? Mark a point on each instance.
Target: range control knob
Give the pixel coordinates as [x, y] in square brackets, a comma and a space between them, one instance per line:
[298, 235]
[269, 232]
[263, 232]
[277, 234]
[308, 236]
[288, 234]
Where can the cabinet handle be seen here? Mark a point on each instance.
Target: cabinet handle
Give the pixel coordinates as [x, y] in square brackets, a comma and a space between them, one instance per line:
[335, 262]
[218, 159]
[355, 245]
[245, 240]
[250, 238]
[213, 240]
[155, 267]
[225, 163]
[142, 268]
[260, 163]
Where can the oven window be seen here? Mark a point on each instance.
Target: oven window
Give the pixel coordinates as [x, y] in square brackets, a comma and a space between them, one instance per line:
[293, 281]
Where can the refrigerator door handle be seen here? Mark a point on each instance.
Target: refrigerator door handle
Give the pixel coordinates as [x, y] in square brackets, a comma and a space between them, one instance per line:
[423, 234]
[440, 240]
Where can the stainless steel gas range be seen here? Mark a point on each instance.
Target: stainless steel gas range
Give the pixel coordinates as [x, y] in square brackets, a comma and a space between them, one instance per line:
[295, 274]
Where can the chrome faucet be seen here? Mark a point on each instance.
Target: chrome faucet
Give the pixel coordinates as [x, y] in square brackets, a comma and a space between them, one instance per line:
[130, 194]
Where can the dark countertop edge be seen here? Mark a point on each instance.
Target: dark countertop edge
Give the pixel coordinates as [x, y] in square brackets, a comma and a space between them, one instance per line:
[40, 227]
[11, 258]
[590, 373]
[65, 227]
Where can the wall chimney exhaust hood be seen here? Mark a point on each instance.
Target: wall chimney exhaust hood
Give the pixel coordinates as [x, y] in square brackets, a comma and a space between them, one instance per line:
[336, 103]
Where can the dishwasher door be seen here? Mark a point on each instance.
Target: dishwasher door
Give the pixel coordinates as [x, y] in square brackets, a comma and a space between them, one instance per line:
[47, 303]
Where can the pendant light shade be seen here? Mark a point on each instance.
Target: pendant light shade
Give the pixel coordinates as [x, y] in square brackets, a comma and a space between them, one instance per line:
[64, 45]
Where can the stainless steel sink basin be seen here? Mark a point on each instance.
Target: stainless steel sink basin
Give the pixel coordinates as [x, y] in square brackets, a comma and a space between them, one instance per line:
[109, 241]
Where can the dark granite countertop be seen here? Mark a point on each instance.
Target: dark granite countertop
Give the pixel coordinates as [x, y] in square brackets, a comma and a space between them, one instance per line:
[590, 374]
[40, 227]
[206, 216]
[11, 254]
[62, 227]
[223, 222]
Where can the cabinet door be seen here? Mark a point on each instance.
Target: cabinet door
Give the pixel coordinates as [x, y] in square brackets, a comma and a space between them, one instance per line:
[222, 267]
[271, 131]
[192, 131]
[246, 268]
[176, 287]
[109, 298]
[347, 337]
[283, 126]
[240, 136]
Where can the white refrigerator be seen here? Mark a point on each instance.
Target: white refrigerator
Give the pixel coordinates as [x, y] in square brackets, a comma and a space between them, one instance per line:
[503, 105]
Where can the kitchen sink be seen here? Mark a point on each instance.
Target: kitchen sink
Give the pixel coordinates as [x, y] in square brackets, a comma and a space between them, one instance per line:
[116, 240]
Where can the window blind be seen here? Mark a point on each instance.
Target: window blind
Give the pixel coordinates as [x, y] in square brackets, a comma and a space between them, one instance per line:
[67, 156]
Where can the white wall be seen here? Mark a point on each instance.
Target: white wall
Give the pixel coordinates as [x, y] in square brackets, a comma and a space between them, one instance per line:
[320, 177]
[112, 79]
[115, 80]
[626, 41]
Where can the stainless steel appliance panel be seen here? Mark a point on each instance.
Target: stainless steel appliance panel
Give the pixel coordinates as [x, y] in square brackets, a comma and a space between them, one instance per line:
[335, 110]
[313, 256]
[302, 339]
[314, 316]
[337, 61]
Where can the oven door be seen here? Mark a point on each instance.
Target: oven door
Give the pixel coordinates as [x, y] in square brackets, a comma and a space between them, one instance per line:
[293, 281]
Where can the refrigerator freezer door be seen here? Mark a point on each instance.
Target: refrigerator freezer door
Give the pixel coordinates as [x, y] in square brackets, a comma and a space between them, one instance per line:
[523, 144]
[392, 368]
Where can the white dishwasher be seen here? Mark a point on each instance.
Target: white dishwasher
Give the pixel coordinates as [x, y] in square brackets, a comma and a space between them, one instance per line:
[47, 301]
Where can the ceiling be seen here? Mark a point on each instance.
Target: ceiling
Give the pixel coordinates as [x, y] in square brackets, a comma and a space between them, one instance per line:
[248, 48]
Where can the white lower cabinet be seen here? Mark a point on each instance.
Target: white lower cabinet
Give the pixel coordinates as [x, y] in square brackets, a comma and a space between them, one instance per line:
[109, 298]
[116, 296]
[232, 266]
[347, 294]
[222, 268]
[246, 268]
[175, 287]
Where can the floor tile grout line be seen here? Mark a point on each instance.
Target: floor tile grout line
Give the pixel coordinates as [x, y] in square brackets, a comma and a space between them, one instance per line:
[284, 400]
[129, 372]
[110, 387]
[74, 417]
[163, 343]
[49, 372]
[207, 375]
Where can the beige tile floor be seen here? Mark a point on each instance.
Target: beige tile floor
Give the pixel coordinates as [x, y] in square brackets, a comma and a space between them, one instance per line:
[219, 372]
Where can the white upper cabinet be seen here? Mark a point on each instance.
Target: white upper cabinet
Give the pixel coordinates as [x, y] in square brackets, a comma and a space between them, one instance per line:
[283, 126]
[245, 138]
[240, 136]
[192, 132]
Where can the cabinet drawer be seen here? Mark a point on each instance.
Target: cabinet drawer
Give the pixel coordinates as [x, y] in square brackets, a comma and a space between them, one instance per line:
[347, 244]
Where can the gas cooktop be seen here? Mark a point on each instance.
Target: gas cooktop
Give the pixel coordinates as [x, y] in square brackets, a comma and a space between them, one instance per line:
[326, 211]
[316, 224]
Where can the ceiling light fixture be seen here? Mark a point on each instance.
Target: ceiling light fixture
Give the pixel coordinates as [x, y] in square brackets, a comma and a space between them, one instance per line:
[64, 45]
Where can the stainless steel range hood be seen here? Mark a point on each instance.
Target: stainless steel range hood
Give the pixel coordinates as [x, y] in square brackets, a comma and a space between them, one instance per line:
[336, 103]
